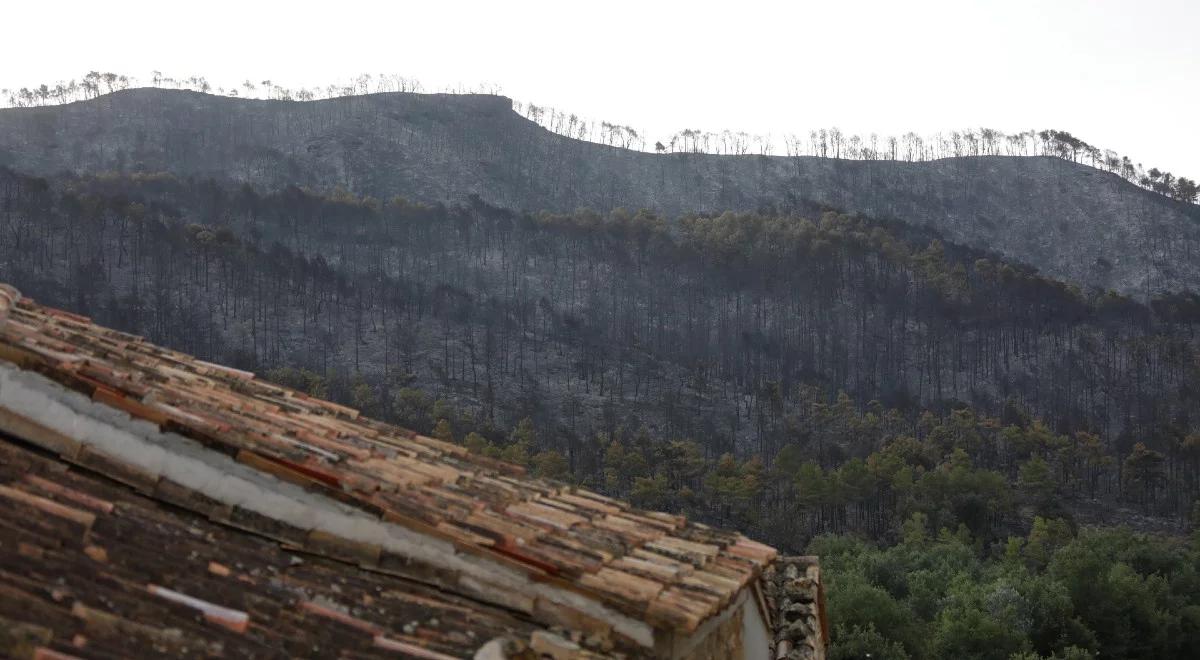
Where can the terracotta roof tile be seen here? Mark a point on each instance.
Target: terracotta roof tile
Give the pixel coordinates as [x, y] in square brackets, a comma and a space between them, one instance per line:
[235, 620]
[795, 603]
[174, 584]
[83, 518]
[624, 558]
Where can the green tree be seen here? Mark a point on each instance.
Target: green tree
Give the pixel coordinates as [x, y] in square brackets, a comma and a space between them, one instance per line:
[551, 464]
[980, 622]
[858, 642]
[1046, 537]
[1037, 483]
[411, 407]
[481, 445]
[650, 493]
[442, 430]
[915, 530]
[524, 433]
[1143, 473]
[364, 398]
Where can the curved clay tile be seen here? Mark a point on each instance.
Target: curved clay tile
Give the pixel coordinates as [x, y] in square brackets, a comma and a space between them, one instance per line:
[8, 298]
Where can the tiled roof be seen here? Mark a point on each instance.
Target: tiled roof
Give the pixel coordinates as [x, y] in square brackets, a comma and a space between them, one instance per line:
[90, 568]
[8, 297]
[796, 599]
[653, 567]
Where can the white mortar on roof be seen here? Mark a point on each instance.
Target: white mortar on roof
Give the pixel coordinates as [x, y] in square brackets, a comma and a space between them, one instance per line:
[140, 444]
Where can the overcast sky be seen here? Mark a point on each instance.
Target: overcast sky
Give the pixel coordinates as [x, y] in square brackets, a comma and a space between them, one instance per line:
[1121, 74]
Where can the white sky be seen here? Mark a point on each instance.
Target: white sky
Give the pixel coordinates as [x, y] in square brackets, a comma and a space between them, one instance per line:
[1121, 74]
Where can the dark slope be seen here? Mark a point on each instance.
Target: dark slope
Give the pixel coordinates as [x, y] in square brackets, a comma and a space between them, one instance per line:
[1068, 220]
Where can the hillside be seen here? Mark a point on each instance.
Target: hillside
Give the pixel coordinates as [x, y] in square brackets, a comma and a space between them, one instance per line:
[1068, 220]
[992, 462]
[773, 339]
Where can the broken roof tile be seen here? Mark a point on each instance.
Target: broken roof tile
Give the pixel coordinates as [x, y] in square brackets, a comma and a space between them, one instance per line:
[235, 620]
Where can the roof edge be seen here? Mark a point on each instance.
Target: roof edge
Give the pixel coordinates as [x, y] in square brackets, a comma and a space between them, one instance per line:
[796, 593]
[138, 454]
[630, 601]
[8, 298]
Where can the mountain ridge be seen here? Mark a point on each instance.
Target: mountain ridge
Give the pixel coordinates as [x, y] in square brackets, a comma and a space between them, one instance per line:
[1068, 220]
